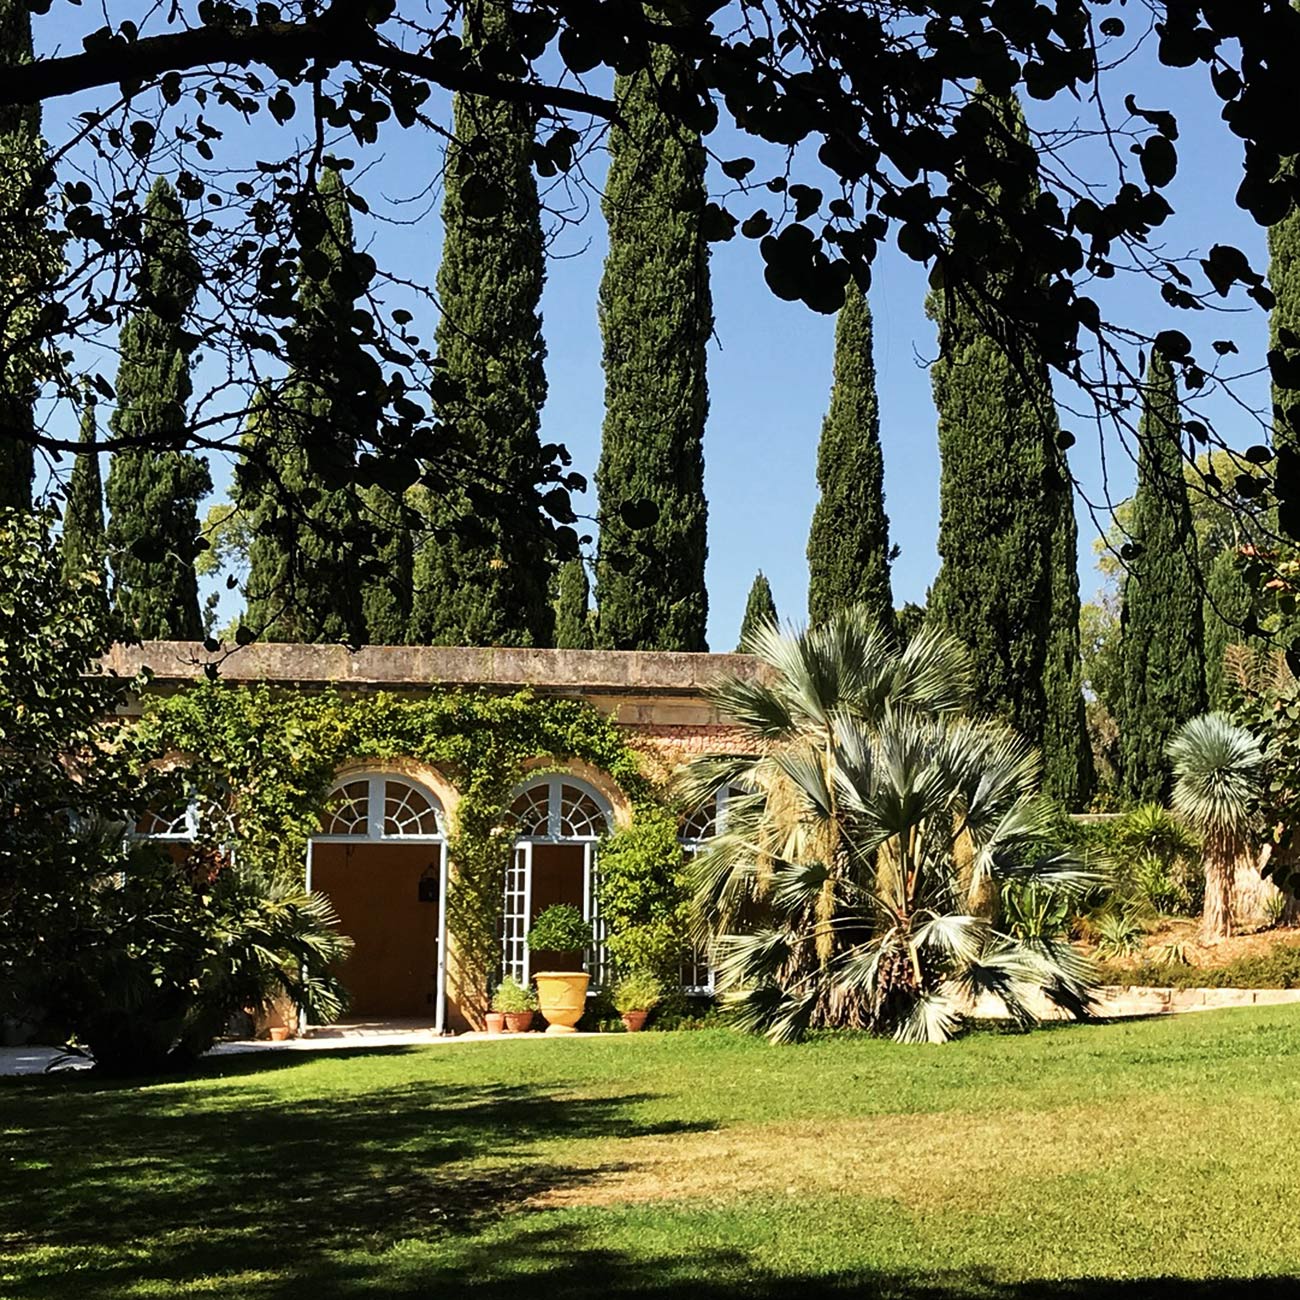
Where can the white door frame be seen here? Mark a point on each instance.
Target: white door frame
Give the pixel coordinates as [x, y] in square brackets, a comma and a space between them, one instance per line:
[375, 835]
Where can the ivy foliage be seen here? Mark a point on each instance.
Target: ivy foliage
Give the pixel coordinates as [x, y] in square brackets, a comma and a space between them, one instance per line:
[268, 757]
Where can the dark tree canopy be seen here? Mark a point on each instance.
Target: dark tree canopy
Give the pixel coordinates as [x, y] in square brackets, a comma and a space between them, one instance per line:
[656, 315]
[1008, 584]
[153, 494]
[482, 576]
[1162, 641]
[310, 545]
[848, 544]
[760, 611]
[25, 264]
[873, 101]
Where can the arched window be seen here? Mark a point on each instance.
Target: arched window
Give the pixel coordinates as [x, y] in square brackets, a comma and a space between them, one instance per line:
[546, 813]
[560, 809]
[177, 823]
[382, 806]
[699, 827]
[182, 822]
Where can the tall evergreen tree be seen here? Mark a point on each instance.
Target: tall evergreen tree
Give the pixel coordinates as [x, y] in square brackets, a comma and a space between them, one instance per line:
[572, 613]
[1162, 642]
[848, 545]
[1008, 585]
[82, 545]
[1227, 610]
[483, 576]
[312, 534]
[656, 315]
[28, 261]
[1068, 771]
[153, 496]
[760, 609]
[1284, 322]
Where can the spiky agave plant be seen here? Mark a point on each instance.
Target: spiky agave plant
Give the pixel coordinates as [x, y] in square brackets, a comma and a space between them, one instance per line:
[1217, 771]
[840, 891]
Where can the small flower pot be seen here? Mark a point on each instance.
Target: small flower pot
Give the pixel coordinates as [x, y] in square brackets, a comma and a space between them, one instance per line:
[496, 1022]
[634, 1021]
[519, 1022]
[278, 1033]
[563, 997]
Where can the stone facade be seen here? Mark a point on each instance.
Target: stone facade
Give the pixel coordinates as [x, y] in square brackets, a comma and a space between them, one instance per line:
[657, 696]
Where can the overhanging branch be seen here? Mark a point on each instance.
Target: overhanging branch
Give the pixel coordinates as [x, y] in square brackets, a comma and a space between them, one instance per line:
[281, 47]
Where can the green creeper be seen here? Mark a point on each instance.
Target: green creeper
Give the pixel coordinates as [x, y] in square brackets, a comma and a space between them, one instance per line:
[572, 613]
[1162, 641]
[28, 262]
[153, 495]
[848, 545]
[760, 609]
[311, 535]
[656, 315]
[82, 545]
[482, 577]
[1008, 583]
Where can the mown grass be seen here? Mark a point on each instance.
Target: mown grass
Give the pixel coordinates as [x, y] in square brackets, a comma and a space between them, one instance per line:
[1128, 1160]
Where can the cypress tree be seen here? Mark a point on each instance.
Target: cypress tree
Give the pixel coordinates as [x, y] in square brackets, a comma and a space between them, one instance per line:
[153, 496]
[386, 596]
[1284, 321]
[848, 545]
[82, 545]
[311, 540]
[1068, 772]
[482, 578]
[760, 609]
[572, 615]
[1162, 641]
[1228, 607]
[1008, 584]
[656, 316]
[28, 261]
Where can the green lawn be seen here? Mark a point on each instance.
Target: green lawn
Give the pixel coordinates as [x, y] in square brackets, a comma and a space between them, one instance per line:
[1130, 1160]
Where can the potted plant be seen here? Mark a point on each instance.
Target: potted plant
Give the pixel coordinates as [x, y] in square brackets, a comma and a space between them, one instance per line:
[562, 994]
[635, 996]
[516, 1005]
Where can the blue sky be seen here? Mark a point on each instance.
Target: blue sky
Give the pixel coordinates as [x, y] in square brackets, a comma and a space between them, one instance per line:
[770, 362]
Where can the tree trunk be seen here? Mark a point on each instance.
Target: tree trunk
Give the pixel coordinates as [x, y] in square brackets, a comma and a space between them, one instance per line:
[1220, 872]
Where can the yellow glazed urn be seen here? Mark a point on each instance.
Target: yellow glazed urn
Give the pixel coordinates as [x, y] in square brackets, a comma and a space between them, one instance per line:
[562, 998]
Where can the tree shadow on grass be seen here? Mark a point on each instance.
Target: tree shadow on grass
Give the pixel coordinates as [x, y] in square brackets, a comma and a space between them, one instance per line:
[129, 1184]
[557, 1263]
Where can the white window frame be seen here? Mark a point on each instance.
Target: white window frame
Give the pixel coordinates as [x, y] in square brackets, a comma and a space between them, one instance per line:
[376, 798]
[691, 845]
[514, 923]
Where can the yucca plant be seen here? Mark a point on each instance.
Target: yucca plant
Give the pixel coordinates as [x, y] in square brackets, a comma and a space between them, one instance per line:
[848, 887]
[1217, 770]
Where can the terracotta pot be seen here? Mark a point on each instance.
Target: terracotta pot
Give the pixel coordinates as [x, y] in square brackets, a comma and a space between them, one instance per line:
[519, 1022]
[634, 1021]
[563, 998]
[496, 1022]
[278, 1033]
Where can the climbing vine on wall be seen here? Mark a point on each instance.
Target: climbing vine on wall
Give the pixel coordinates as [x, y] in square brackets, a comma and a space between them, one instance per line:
[267, 758]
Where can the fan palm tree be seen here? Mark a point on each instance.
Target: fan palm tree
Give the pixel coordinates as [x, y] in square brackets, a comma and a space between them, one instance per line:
[1217, 771]
[868, 820]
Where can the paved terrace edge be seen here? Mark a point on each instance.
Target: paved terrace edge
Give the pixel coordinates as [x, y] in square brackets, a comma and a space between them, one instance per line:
[410, 667]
